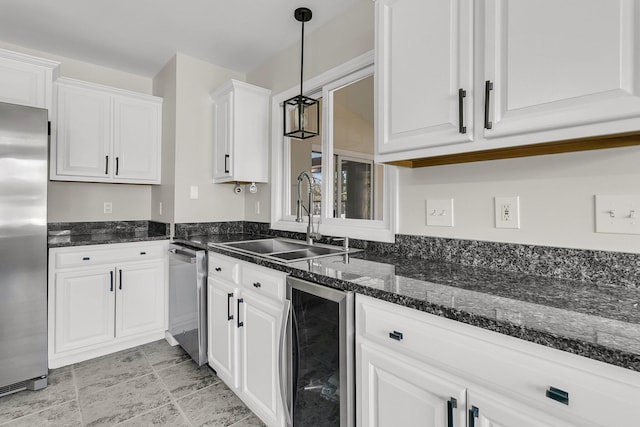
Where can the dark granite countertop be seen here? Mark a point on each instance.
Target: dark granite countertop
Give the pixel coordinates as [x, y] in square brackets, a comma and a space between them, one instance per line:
[596, 321]
[61, 240]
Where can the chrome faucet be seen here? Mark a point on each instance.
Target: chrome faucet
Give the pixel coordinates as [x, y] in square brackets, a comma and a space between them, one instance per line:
[299, 206]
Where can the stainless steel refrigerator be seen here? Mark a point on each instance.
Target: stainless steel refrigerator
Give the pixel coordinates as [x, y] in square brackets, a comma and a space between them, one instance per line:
[23, 248]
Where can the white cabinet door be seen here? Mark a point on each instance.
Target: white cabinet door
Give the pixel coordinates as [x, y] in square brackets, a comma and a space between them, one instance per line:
[221, 325]
[394, 391]
[260, 327]
[140, 297]
[136, 139]
[561, 64]
[83, 137]
[424, 56]
[84, 308]
[222, 137]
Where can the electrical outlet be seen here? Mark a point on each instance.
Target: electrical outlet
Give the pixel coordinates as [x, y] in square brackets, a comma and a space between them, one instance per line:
[440, 212]
[507, 212]
[257, 207]
[160, 208]
[108, 207]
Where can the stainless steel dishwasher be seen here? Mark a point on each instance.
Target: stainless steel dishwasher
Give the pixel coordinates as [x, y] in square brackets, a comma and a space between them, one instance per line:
[188, 300]
[320, 338]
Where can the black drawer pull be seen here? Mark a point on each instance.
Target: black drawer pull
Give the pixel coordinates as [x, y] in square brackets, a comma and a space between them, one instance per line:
[488, 87]
[120, 286]
[111, 279]
[257, 284]
[473, 414]
[461, 95]
[85, 258]
[558, 395]
[217, 269]
[229, 315]
[226, 166]
[395, 335]
[143, 253]
[240, 324]
[451, 405]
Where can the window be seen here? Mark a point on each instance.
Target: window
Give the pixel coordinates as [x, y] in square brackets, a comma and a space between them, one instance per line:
[352, 195]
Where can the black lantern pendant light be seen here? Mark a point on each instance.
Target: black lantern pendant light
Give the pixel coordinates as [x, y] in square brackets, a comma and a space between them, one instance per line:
[301, 113]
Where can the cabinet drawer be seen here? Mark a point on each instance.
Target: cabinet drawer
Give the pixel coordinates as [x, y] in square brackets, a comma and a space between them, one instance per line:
[599, 393]
[92, 255]
[264, 281]
[223, 267]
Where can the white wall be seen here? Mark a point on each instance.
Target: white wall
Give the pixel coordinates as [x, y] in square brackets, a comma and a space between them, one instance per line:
[556, 197]
[164, 85]
[70, 202]
[195, 79]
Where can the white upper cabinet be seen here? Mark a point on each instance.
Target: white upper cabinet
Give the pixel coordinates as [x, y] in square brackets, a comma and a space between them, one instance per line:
[240, 133]
[104, 134]
[542, 71]
[424, 73]
[567, 65]
[27, 80]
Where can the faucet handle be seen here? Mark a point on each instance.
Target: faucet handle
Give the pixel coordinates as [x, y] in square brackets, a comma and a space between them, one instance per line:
[344, 240]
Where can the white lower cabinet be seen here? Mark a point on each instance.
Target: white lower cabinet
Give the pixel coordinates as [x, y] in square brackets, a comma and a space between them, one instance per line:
[410, 365]
[397, 391]
[246, 317]
[104, 299]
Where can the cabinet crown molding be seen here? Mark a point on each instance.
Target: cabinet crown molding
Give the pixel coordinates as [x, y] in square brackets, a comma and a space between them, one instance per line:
[109, 89]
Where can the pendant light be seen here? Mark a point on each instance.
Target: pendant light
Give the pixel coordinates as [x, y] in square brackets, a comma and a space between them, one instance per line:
[301, 113]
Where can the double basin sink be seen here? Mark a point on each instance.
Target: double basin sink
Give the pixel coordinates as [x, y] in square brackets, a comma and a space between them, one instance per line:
[286, 250]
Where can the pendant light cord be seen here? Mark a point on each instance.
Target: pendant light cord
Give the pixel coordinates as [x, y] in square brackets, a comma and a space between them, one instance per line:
[301, 58]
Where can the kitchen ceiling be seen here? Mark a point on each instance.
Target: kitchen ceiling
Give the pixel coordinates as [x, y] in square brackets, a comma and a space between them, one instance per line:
[140, 36]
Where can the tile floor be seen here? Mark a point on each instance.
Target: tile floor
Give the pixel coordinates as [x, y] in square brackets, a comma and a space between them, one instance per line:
[151, 385]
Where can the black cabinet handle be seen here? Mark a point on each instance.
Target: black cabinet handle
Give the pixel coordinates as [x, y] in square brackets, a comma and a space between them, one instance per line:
[85, 258]
[473, 414]
[257, 285]
[143, 253]
[451, 405]
[461, 95]
[117, 164]
[229, 315]
[106, 165]
[111, 280]
[226, 165]
[240, 324]
[395, 335]
[120, 272]
[488, 87]
[558, 395]
[217, 269]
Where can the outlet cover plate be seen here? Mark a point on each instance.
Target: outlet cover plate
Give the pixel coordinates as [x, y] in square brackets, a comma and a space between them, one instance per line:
[440, 212]
[507, 212]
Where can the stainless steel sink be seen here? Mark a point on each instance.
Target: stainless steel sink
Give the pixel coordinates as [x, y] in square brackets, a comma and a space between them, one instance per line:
[267, 246]
[285, 250]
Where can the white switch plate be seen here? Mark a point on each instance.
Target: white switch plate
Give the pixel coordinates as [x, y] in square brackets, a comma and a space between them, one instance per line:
[108, 207]
[618, 214]
[257, 207]
[507, 212]
[193, 192]
[440, 212]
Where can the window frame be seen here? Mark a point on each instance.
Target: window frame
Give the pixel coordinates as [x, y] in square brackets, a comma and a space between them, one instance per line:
[377, 230]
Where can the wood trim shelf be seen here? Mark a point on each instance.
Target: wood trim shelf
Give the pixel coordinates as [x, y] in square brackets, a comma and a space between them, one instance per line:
[567, 146]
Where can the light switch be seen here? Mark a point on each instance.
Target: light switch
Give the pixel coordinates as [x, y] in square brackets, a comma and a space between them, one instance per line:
[108, 207]
[193, 193]
[617, 214]
[440, 212]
